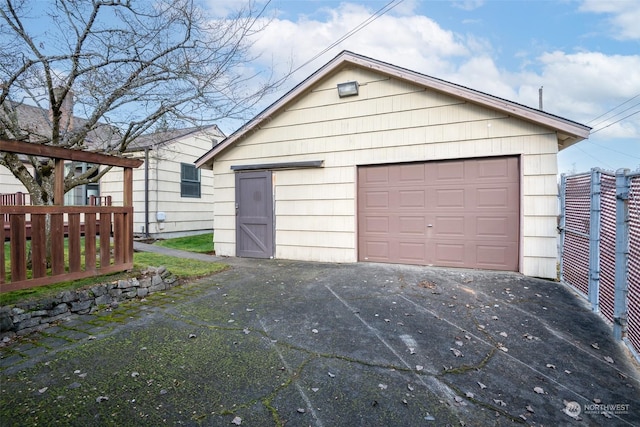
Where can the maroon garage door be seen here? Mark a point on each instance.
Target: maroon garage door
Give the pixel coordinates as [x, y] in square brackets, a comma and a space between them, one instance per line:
[462, 213]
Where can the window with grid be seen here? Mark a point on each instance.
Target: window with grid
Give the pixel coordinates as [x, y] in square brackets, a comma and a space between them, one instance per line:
[189, 181]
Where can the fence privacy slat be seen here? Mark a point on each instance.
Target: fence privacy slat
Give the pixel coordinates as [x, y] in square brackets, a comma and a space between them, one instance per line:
[18, 234]
[105, 236]
[118, 230]
[90, 242]
[74, 243]
[57, 244]
[39, 245]
[3, 273]
[127, 239]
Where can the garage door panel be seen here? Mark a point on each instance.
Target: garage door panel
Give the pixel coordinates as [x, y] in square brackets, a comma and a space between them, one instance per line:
[493, 168]
[492, 198]
[493, 257]
[376, 199]
[448, 226]
[378, 251]
[411, 252]
[375, 176]
[449, 171]
[377, 224]
[414, 173]
[449, 213]
[494, 227]
[414, 225]
[412, 198]
[449, 253]
[447, 198]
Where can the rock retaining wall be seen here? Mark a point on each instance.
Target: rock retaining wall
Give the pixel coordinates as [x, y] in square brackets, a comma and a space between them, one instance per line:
[24, 318]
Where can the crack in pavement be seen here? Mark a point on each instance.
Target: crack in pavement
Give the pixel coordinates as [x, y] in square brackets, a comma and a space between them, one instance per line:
[299, 389]
[513, 358]
[430, 382]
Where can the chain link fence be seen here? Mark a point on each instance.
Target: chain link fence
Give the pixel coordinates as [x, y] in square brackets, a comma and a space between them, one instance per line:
[600, 246]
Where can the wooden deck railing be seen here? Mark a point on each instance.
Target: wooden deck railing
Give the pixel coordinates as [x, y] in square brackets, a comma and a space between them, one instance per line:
[14, 199]
[99, 200]
[21, 199]
[99, 255]
[108, 230]
[18, 198]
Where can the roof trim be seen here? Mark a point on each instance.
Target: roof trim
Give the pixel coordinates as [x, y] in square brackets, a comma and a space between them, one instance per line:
[569, 132]
[157, 140]
[285, 165]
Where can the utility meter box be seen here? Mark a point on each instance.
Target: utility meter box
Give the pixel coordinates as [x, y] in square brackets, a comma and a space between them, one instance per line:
[161, 216]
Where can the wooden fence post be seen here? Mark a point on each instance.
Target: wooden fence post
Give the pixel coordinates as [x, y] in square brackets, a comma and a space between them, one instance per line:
[58, 183]
[127, 225]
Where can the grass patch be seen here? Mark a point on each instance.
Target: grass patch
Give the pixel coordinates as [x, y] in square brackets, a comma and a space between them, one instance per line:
[182, 268]
[202, 243]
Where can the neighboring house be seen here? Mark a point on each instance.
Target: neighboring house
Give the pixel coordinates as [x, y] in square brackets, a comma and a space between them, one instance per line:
[177, 198]
[36, 127]
[171, 197]
[399, 168]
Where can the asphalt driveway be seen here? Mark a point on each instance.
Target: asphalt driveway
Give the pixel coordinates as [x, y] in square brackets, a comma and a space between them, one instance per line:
[269, 343]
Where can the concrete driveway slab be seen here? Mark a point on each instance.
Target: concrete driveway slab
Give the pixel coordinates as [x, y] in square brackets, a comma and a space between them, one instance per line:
[293, 343]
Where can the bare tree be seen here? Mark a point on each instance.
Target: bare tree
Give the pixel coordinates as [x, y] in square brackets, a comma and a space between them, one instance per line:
[125, 67]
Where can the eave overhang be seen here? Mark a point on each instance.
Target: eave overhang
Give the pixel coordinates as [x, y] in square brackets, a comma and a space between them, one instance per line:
[568, 132]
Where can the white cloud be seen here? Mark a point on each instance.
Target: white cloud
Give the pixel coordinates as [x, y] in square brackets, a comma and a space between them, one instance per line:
[406, 8]
[624, 16]
[584, 85]
[579, 86]
[414, 42]
[481, 73]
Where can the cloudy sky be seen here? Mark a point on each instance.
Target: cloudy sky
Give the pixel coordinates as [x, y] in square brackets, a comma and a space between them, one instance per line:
[584, 53]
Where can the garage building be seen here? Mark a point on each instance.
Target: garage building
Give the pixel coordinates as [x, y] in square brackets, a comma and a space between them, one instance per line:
[365, 161]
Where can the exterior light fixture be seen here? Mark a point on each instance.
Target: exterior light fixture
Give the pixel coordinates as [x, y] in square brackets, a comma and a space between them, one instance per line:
[347, 89]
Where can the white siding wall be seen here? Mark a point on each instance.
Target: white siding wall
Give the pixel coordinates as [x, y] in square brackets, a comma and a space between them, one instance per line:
[184, 215]
[389, 121]
[9, 183]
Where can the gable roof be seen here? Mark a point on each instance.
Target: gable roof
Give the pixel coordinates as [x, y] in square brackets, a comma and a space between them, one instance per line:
[568, 131]
[36, 127]
[173, 135]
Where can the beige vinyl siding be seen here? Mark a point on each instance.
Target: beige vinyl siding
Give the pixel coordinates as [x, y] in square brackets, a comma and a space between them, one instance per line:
[184, 215]
[388, 122]
[9, 183]
[303, 202]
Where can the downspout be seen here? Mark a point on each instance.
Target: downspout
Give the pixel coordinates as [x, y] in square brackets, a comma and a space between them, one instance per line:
[146, 192]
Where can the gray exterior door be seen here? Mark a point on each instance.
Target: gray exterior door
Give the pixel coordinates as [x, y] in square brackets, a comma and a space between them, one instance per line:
[254, 215]
[462, 213]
